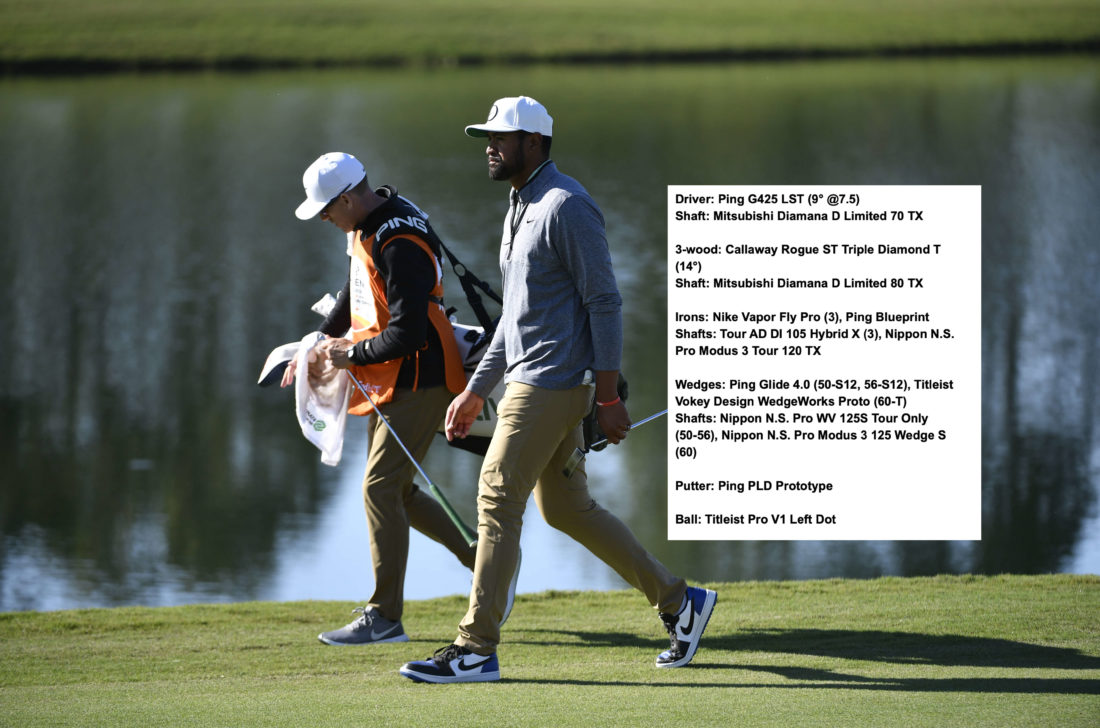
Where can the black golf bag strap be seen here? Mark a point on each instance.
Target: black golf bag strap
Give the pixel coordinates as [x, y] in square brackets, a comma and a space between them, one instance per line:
[470, 284]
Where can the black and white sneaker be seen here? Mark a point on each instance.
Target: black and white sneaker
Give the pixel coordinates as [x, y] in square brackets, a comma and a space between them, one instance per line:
[685, 628]
[452, 664]
[370, 628]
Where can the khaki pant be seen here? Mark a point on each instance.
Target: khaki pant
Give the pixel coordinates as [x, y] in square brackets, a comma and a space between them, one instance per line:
[537, 431]
[393, 502]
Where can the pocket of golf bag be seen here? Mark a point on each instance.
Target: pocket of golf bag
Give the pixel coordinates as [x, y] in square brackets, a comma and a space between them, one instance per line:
[472, 343]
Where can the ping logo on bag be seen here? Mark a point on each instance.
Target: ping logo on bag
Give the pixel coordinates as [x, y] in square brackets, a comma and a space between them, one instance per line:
[395, 222]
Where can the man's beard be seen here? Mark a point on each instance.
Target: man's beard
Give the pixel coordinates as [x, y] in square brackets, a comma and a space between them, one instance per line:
[504, 170]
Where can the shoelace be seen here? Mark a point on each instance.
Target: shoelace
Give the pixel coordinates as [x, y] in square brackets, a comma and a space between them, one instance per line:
[445, 654]
[671, 620]
[363, 621]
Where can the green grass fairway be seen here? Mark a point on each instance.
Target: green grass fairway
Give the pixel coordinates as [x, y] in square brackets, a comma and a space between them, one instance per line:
[104, 34]
[944, 651]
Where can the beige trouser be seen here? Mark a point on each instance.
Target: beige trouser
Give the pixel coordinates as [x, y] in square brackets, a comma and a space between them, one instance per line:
[393, 502]
[536, 432]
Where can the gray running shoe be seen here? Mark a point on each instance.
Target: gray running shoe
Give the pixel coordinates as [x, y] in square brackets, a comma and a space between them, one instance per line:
[369, 628]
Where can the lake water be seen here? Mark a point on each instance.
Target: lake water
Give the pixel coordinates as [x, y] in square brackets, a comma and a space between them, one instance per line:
[151, 259]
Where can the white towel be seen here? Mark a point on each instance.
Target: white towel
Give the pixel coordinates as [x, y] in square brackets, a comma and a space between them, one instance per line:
[321, 394]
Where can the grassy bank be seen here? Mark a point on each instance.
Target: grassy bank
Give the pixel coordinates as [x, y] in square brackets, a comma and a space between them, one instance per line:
[959, 651]
[111, 34]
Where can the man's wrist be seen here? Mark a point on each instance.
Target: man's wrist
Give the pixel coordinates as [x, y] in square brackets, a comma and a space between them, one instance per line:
[607, 387]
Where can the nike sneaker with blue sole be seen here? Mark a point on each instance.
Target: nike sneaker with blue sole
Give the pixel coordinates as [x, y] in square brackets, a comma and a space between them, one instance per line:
[453, 664]
[685, 629]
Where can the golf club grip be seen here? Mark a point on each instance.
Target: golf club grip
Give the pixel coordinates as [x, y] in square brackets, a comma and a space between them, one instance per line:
[459, 524]
[467, 534]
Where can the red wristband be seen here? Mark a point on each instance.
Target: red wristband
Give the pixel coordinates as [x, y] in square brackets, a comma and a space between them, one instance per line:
[608, 404]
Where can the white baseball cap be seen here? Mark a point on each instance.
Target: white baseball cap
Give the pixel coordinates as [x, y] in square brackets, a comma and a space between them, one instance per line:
[515, 113]
[330, 176]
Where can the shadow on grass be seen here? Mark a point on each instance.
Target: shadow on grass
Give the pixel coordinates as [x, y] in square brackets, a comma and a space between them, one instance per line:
[839, 681]
[908, 648]
[901, 648]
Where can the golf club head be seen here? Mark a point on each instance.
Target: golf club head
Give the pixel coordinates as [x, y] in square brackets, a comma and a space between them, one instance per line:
[572, 463]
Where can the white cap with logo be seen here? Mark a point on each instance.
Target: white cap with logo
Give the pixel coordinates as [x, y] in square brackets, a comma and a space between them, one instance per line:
[515, 113]
[330, 176]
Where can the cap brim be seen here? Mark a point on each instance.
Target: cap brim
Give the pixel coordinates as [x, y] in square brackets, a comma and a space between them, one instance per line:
[482, 130]
[309, 209]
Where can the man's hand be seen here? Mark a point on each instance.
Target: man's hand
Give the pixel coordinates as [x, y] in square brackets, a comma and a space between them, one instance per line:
[336, 351]
[288, 373]
[461, 414]
[614, 420]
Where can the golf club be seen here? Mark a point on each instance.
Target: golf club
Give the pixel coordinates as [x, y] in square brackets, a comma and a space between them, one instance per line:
[578, 454]
[462, 527]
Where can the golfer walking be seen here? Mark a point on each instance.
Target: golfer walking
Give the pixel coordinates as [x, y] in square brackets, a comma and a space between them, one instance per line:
[402, 348]
[559, 341]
